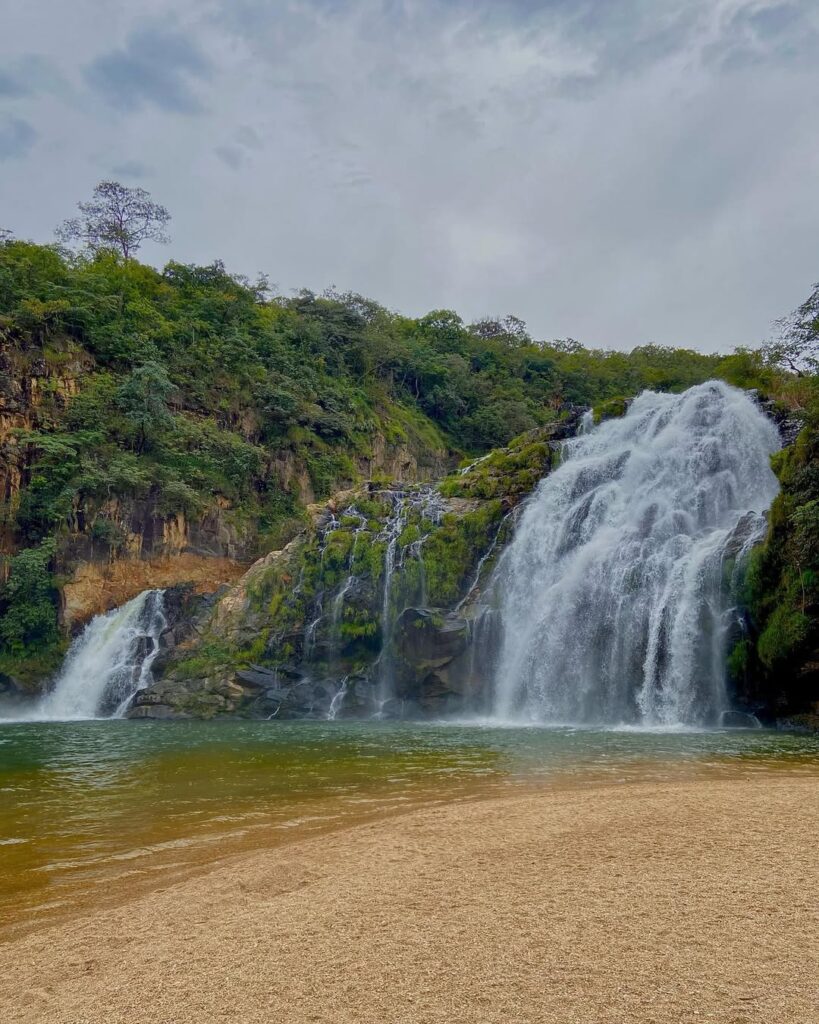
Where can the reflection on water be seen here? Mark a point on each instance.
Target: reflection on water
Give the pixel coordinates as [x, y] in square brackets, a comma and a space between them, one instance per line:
[105, 807]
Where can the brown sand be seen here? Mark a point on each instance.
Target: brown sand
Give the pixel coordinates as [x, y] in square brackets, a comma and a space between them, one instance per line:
[655, 902]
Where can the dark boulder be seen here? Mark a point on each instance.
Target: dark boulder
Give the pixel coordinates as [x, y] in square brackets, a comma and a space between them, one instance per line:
[427, 638]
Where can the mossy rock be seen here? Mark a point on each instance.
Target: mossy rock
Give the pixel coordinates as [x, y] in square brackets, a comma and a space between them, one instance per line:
[611, 409]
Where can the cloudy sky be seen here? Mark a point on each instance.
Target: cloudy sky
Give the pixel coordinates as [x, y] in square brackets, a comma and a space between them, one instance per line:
[621, 171]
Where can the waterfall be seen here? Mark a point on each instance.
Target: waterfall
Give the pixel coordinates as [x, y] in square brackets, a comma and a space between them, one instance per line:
[108, 662]
[428, 504]
[338, 602]
[615, 594]
[392, 531]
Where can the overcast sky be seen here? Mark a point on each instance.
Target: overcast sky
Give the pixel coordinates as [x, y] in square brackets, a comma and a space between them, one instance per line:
[621, 171]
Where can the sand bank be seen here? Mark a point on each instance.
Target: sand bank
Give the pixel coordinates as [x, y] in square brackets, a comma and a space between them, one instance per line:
[656, 902]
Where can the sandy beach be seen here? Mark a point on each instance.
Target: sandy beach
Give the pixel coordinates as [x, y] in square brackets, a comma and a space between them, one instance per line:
[647, 902]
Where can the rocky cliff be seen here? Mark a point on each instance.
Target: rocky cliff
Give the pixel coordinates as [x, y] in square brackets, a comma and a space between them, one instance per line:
[377, 606]
[122, 536]
[369, 610]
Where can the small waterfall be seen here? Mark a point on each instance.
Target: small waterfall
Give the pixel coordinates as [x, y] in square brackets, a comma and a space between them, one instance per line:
[427, 502]
[337, 702]
[392, 531]
[490, 551]
[366, 594]
[318, 603]
[108, 662]
[338, 601]
[615, 594]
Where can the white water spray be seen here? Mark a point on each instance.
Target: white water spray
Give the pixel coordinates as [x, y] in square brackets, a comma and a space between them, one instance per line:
[108, 662]
[615, 593]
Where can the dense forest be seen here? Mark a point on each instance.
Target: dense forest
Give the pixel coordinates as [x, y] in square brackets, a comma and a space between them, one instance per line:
[191, 387]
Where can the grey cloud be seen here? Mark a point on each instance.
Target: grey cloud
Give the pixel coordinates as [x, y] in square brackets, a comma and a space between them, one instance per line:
[12, 87]
[32, 74]
[16, 137]
[462, 122]
[248, 137]
[132, 169]
[784, 33]
[617, 170]
[231, 156]
[154, 68]
[235, 154]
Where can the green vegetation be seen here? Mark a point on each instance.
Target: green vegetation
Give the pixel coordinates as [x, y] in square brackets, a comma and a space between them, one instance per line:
[783, 577]
[776, 664]
[454, 548]
[509, 471]
[140, 394]
[28, 613]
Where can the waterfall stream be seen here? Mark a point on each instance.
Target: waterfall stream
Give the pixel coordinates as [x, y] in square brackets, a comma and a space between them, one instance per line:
[615, 594]
[108, 662]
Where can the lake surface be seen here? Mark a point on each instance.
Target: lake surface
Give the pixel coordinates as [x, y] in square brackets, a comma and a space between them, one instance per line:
[92, 811]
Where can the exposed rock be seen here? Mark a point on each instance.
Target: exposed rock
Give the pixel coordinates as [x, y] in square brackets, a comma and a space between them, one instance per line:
[427, 638]
[278, 642]
[257, 679]
[808, 722]
[156, 712]
[789, 425]
[97, 587]
[739, 720]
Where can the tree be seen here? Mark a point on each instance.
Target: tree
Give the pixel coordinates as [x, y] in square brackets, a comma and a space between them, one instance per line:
[118, 218]
[28, 601]
[798, 344]
[143, 399]
[511, 330]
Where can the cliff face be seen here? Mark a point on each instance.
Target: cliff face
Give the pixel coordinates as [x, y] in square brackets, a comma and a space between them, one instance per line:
[369, 610]
[166, 426]
[111, 548]
[140, 547]
[776, 664]
[162, 551]
[34, 391]
[377, 606]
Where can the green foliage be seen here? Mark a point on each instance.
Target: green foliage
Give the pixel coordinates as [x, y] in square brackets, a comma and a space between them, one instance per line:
[210, 656]
[739, 660]
[143, 399]
[453, 549]
[193, 390]
[611, 409]
[509, 472]
[28, 607]
[785, 632]
[782, 579]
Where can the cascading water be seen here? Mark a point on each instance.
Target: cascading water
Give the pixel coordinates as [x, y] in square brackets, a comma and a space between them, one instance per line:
[427, 502]
[615, 594]
[394, 523]
[108, 662]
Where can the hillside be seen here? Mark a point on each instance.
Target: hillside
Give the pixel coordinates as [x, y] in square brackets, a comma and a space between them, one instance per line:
[159, 427]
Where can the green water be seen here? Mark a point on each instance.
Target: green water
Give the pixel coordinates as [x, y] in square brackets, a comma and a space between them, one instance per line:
[93, 808]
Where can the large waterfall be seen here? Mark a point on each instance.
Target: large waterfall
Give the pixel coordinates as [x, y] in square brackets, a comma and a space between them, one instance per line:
[108, 662]
[615, 594]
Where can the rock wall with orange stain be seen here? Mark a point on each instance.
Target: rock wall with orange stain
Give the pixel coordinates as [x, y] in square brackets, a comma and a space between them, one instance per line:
[94, 587]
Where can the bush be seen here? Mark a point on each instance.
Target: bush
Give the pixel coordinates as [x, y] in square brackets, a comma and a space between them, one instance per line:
[29, 601]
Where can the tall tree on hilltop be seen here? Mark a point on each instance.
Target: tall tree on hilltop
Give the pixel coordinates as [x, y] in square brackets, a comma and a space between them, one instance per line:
[797, 347]
[117, 217]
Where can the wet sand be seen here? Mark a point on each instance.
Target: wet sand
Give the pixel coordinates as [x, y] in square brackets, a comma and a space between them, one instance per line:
[648, 902]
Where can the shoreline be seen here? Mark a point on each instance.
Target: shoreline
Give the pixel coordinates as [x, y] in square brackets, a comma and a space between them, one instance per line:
[655, 901]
